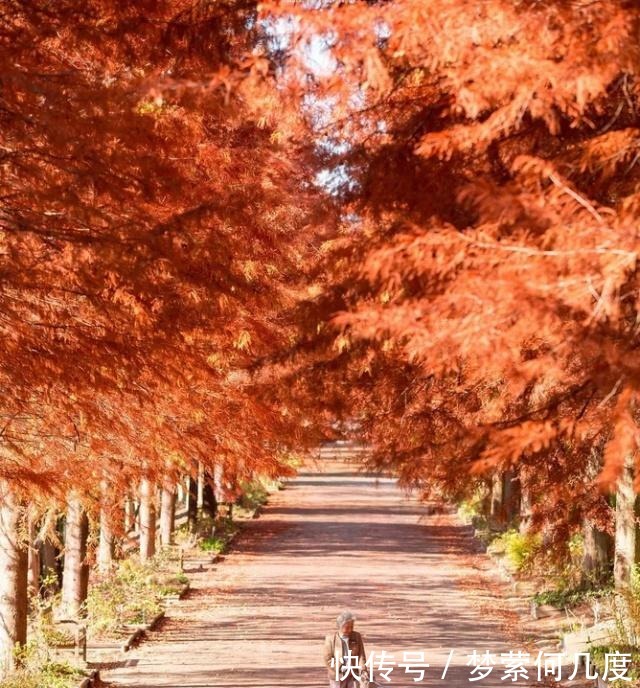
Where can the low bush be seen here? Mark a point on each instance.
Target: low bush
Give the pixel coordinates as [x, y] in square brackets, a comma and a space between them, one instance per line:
[563, 597]
[36, 670]
[519, 549]
[131, 595]
[598, 660]
[222, 531]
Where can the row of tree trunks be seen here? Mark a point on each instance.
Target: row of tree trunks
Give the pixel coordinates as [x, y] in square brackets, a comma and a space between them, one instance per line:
[199, 491]
[509, 496]
[25, 555]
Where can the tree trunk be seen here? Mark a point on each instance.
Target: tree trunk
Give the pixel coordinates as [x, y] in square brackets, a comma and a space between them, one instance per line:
[129, 515]
[106, 543]
[13, 578]
[201, 479]
[596, 553]
[495, 504]
[75, 577]
[209, 501]
[34, 557]
[526, 503]
[218, 478]
[504, 499]
[625, 537]
[181, 495]
[167, 513]
[147, 520]
[511, 496]
[598, 545]
[192, 503]
[50, 566]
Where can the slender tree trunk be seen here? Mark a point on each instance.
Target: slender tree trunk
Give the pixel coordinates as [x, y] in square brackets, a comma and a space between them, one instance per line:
[526, 504]
[75, 577]
[625, 537]
[147, 520]
[201, 479]
[504, 498]
[511, 496]
[209, 501]
[129, 515]
[167, 513]
[495, 503]
[192, 503]
[48, 557]
[596, 552]
[181, 495]
[13, 577]
[598, 545]
[34, 557]
[218, 477]
[106, 543]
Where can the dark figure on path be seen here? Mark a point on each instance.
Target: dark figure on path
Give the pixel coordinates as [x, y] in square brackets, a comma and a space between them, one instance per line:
[337, 646]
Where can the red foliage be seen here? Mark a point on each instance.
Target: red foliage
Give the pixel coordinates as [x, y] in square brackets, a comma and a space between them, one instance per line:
[150, 224]
[484, 285]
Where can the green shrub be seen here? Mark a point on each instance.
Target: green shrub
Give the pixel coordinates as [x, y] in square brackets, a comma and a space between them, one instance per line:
[626, 608]
[562, 597]
[472, 509]
[254, 494]
[172, 585]
[519, 549]
[36, 670]
[223, 529]
[291, 459]
[213, 544]
[467, 509]
[131, 595]
[598, 653]
[50, 675]
[182, 535]
[473, 512]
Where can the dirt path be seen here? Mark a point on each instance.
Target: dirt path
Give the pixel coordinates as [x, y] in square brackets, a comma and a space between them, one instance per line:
[332, 539]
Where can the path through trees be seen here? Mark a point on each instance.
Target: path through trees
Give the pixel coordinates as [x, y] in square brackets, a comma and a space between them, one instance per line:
[334, 538]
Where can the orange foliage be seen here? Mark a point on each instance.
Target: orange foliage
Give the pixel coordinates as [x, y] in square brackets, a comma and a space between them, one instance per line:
[150, 224]
[486, 273]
